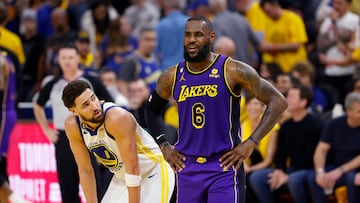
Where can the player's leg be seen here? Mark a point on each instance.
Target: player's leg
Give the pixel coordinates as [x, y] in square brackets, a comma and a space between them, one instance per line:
[158, 185]
[116, 192]
[192, 183]
[227, 186]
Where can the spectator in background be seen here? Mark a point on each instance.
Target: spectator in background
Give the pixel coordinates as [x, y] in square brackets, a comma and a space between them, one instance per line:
[142, 14]
[200, 8]
[304, 72]
[82, 43]
[75, 10]
[34, 69]
[254, 14]
[62, 33]
[109, 80]
[139, 92]
[296, 144]
[323, 11]
[341, 138]
[339, 34]
[142, 63]
[339, 66]
[353, 85]
[284, 82]
[225, 45]
[52, 91]
[270, 71]
[256, 17]
[263, 155]
[44, 17]
[285, 36]
[222, 19]
[96, 22]
[170, 31]
[339, 17]
[11, 43]
[117, 44]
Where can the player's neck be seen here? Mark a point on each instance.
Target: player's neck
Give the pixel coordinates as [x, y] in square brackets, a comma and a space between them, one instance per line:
[91, 126]
[201, 65]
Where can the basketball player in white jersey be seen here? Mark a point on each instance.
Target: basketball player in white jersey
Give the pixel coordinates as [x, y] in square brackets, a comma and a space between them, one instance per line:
[113, 136]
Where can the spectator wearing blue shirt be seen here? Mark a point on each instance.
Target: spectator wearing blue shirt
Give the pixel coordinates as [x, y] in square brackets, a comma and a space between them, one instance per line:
[170, 31]
[44, 18]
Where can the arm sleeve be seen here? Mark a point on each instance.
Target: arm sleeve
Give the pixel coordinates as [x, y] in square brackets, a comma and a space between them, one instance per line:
[153, 115]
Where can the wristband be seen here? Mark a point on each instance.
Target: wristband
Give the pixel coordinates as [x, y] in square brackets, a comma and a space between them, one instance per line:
[132, 180]
[254, 141]
[164, 144]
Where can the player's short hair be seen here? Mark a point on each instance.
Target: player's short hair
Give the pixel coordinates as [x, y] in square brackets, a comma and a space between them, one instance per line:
[201, 18]
[72, 91]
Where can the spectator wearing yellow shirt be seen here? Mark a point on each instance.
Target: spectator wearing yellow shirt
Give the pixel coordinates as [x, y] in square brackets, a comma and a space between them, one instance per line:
[11, 43]
[254, 14]
[263, 156]
[266, 149]
[285, 36]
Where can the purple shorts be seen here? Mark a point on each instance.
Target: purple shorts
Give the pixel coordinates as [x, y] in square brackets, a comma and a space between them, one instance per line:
[204, 181]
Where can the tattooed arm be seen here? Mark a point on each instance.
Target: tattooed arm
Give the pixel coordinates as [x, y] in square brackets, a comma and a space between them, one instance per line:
[242, 76]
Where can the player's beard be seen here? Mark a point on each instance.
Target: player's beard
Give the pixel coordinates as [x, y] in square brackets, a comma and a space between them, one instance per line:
[203, 53]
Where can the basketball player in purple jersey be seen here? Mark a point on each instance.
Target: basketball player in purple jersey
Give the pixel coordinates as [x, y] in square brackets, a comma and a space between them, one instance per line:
[7, 123]
[208, 155]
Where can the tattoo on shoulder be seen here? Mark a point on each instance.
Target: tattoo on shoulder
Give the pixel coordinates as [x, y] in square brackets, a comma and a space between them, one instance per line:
[246, 73]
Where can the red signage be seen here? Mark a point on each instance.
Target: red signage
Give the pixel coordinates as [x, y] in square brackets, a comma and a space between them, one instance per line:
[32, 166]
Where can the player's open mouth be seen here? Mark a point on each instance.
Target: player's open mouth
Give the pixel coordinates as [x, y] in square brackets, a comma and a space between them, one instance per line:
[97, 114]
[192, 49]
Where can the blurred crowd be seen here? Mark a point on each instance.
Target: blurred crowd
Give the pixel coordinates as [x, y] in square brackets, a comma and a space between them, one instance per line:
[308, 49]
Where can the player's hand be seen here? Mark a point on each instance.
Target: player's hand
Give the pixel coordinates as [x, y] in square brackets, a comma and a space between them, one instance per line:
[52, 135]
[237, 155]
[174, 158]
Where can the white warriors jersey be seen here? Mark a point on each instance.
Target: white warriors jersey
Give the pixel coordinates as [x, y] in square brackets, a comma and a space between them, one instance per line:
[103, 146]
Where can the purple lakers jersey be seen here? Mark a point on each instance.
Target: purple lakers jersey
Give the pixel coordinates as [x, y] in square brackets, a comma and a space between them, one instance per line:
[208, 110]
[8, 105]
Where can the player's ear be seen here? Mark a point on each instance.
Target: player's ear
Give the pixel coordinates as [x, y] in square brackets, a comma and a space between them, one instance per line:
[212, 37]
[73, 111]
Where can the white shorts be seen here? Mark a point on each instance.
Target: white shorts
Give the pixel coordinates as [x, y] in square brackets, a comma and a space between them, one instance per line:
[156, 187]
